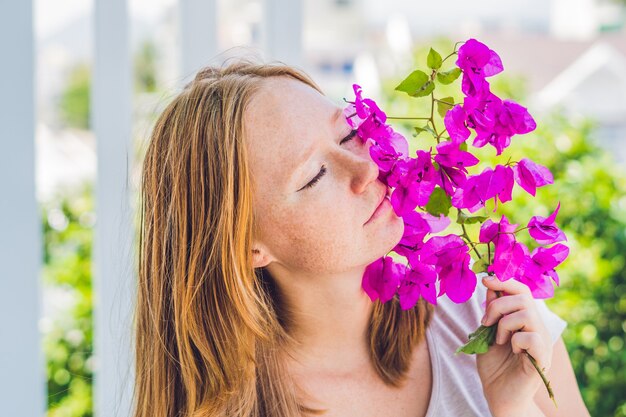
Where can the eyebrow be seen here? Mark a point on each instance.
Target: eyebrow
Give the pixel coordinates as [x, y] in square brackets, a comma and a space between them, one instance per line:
[338, 113]
[333, 121]
[334, 118]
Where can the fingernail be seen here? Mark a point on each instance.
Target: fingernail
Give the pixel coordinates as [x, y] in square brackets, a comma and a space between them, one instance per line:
[490, 277]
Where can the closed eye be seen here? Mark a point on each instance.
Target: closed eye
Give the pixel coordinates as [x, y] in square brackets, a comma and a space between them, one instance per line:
[349, 137]
[323, 169]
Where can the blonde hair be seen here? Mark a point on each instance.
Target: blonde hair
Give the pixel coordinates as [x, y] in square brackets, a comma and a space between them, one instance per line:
[210, 330]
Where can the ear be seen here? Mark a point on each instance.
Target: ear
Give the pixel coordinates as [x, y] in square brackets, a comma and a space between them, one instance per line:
[260, 256]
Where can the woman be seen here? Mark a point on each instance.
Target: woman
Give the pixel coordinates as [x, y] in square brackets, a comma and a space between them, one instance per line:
[257, 225]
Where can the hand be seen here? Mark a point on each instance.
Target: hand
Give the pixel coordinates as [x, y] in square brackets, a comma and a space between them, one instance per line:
[509, 378]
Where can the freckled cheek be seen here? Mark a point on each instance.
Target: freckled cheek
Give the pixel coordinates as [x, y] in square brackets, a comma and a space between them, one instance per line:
[326, 223]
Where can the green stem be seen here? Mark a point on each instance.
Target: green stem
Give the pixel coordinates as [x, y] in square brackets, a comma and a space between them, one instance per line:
[467, 238]
[451, 54]
[409, 118]
[432, 114]
[444, 102]
[543, 377]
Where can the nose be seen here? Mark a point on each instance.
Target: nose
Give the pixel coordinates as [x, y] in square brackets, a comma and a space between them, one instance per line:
[360, 167]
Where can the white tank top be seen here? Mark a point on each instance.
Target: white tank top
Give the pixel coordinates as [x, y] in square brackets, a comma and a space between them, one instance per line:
[456, 387]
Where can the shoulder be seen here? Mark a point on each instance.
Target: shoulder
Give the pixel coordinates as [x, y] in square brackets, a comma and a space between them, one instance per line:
[456, 321]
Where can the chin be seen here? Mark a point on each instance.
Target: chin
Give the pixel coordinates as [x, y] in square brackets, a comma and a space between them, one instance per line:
[387, 235]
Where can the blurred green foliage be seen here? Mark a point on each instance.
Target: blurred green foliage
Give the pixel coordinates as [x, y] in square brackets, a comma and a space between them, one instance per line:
[75, 105]
[68, 221]
[592, 190]
[145, 67]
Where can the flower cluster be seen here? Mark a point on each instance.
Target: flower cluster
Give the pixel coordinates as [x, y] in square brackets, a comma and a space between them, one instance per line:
[435, 180]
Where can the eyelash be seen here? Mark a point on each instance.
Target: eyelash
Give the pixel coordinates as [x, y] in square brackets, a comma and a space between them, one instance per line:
[323, 169]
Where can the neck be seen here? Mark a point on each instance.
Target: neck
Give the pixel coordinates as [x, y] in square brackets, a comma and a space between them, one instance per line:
[329, 317]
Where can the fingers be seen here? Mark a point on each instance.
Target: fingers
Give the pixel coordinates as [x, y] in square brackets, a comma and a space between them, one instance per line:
[511, 286]
[491, 295]
[507, 304]
[522, 320]
[535, 345]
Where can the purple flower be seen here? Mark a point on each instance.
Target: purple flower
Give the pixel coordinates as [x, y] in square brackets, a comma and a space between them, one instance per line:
[472, 195]
[482, 111]
[356, 113]
[418, 281]
[373, 128]
[446, 258]
[365, 107]
[477, 62]
[385, 156]
[502, 184]
[457, 280]
[369, 120]
[516, 118]
[398, 143]
[442, 250]
[508, 259]
[452, 166]
[455, 122]
[414, 181]
[530, 175]
[538, 270]
[416, 226]
[510, 119]
[501, 234]
[479, 188]
[381, 279]
[544, 230]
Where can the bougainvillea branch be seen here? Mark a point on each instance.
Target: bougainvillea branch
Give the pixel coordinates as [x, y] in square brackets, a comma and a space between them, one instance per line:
[429, 184]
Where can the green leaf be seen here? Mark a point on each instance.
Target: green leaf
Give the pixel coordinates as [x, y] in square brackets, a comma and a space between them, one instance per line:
[479, 266]
[430, 130]
[434, 59]
[417, 84]
[463, 146]
[439, 202]
[425, 90]
[444, 104]
[479, 340]
[448, 77]
[418, 130]
[475, 219]
[462, 218]
[416, 80]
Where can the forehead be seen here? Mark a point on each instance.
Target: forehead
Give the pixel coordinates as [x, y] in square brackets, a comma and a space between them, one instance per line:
[284, 105]
[282, 120]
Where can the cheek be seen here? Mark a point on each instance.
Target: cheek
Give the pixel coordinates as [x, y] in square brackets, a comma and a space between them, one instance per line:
[316, 234]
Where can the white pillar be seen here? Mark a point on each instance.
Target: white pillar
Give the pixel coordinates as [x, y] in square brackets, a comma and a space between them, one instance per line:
[282, 30]
[114, 278]
[198, 35]
[22, 371]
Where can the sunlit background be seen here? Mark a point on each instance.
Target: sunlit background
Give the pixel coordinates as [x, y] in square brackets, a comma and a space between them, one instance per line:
[100, 71]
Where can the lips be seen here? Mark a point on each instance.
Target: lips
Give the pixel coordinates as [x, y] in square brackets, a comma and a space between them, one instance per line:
[385, 193]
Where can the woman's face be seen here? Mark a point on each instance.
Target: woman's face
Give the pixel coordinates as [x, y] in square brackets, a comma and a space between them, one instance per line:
[295, 135]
